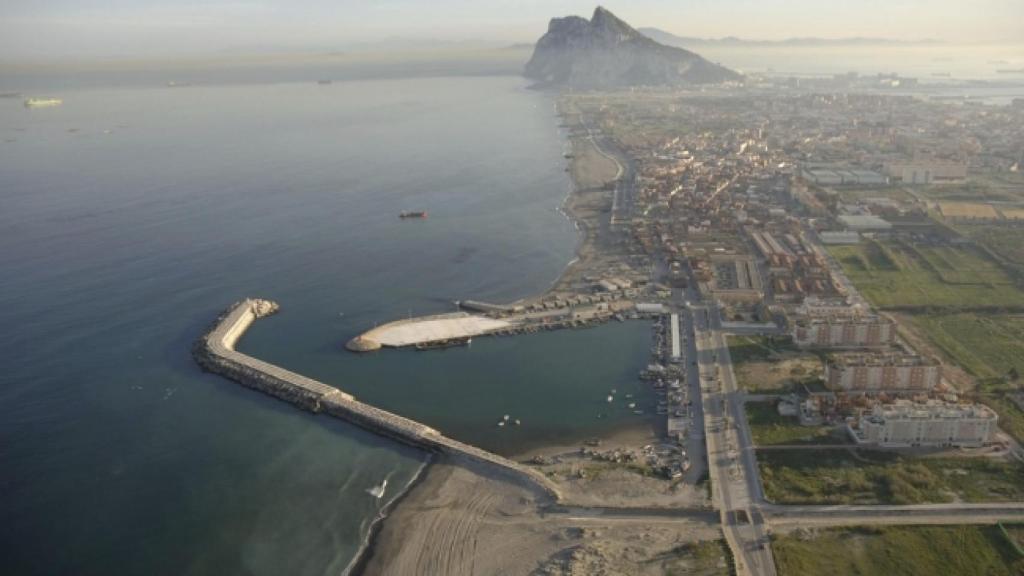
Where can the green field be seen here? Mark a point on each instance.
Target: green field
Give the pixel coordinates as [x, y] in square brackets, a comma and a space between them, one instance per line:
[747, 348]
[986, 346]
[769, 428]
[896, 275]
[1005, 241]
[838, 476]
[897, 551]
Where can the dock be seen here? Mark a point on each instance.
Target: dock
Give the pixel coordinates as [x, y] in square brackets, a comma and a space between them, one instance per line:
[215, 352]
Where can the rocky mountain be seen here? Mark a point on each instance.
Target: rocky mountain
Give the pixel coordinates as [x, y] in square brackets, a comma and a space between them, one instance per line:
[605, 52]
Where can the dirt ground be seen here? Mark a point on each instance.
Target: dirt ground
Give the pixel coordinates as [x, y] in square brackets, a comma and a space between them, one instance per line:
[460, 520]
[585, 481]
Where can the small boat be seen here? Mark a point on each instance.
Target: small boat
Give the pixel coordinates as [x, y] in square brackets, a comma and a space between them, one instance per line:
[610, 398]
[404, 215]
[501, 423]
[638, 412]
[505, 417]
[518, 422]
[632, 404]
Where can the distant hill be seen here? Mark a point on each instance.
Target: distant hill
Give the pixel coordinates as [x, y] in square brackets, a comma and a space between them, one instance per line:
[670, 39]
[605, 52]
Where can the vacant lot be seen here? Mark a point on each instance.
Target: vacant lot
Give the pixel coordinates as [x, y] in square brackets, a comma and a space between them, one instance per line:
[897, 551]
[770, 429]
[838, 476]
[895, 275]
[773, 365]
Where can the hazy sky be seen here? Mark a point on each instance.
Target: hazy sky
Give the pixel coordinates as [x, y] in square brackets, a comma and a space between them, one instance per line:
[58, 28]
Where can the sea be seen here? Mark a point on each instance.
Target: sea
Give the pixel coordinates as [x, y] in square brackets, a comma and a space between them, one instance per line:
[131, 216]
[135, 212]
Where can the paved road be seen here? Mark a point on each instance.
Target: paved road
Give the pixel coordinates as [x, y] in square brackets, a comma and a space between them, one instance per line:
[733, 466]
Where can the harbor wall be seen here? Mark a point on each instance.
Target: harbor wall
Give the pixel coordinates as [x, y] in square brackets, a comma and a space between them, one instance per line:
[215, 353]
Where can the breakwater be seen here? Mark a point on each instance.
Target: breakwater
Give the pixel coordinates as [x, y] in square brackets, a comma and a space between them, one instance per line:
[215, 352]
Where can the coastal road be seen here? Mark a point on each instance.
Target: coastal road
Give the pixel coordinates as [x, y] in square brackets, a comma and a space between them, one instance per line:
[624, 194]
[736, 486]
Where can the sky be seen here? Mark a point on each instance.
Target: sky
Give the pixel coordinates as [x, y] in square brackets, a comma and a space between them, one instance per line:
[145, 28]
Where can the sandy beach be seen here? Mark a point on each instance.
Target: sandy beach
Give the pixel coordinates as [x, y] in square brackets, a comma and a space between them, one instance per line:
[462, 520]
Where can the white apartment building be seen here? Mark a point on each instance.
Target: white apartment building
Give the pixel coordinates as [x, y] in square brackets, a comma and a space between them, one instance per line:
[932, 423]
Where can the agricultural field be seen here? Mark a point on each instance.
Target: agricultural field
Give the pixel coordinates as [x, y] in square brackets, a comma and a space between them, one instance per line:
[968, 211]
[987, 346]
[896, 275]
[768, 428]
[1005, 241]
[990, 348]
[766, 365]
[977, 189]
[897, 194]
[897, 551]
[1012, 213]
[840, 476]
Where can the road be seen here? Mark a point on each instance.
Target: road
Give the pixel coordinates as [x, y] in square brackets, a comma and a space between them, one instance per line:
[736, 487]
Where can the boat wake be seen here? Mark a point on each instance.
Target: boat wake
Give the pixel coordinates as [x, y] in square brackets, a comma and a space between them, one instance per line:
[378, 491]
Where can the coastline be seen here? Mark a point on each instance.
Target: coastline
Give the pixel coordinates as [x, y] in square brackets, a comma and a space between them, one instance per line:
[357, 565]
[588, 202]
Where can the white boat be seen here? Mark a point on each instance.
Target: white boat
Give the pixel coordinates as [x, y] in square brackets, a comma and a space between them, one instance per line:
[43, 102]
[610, 398]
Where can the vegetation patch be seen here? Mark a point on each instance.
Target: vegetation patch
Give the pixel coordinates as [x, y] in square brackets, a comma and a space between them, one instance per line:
[838, 476]
[706, 558]
[896, 551]
[769, 428]
[897, 275]
[765, 364]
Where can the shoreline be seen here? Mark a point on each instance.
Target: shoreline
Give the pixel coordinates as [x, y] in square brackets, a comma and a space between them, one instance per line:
[357, 565]
[588, 231]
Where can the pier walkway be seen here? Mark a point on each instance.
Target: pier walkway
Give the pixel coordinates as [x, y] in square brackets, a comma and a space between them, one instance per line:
[216, 353]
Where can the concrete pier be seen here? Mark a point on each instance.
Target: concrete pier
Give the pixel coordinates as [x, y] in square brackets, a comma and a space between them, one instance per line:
[216, 353]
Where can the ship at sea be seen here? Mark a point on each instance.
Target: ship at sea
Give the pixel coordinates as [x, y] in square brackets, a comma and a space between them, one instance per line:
[42, 102]
[413, 214]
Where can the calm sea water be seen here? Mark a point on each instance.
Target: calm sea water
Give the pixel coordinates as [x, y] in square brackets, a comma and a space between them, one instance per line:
[130, 217]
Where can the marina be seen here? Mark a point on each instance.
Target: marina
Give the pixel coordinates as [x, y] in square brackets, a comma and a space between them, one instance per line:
[216, 353]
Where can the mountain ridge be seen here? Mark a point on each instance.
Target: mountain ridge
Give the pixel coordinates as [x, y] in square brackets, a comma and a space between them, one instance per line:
[606, 52]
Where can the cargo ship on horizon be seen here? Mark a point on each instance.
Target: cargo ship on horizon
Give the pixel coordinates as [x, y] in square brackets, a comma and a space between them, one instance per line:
[412, 214]
[42, 102]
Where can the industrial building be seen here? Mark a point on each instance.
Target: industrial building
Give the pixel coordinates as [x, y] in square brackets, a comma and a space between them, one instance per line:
[931, 423]
[835, 238]
[844, 177]
[927, 171]
[865, 372]
[864, 223]
[848, 332]
[734, 279]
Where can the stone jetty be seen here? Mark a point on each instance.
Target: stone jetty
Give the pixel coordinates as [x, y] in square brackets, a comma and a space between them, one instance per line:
[216, 353]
